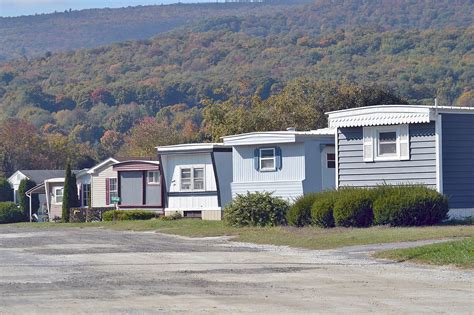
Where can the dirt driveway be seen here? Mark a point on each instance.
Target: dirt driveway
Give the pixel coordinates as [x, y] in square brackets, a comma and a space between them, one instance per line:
[102, 271]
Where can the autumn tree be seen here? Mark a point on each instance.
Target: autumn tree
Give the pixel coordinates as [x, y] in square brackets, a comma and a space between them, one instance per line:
[145, 136]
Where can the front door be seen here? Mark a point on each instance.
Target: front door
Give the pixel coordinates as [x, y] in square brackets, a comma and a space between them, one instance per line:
[328, 168]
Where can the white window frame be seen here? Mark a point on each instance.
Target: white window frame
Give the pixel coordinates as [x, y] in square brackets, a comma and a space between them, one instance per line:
[86, 194]
[260, 159]
[113, 191]
[192, 168]
[56, 195]
[387, 157]
[154, 181]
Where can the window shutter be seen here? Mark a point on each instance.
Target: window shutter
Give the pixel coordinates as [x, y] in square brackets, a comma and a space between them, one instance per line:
[368, 144]
[256, 157]
[81, 197]
[107, 191]
[404, 143]
[278, 158]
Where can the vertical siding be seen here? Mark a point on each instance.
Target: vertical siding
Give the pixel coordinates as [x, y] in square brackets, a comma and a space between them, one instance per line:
[98, 185]
[211, 215]
[458, 159]
[153, 195]
[420, 169]
[223, 161]
[293, 164]
[131, 188]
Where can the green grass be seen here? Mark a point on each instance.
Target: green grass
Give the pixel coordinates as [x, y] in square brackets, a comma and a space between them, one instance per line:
[459, 253]
[308, 237]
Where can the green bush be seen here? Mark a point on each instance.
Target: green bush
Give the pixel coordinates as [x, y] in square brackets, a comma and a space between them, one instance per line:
[125, 215]
[256, 209]
[300, 212]
[322, 209]
[353, 207]
[10, 213]
[409, 206]
[172, 217]
[6, 191]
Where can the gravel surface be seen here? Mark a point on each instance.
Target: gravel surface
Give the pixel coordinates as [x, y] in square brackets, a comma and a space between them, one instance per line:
[61, 271]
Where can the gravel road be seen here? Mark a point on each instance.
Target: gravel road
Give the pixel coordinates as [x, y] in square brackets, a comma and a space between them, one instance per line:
[62, 271]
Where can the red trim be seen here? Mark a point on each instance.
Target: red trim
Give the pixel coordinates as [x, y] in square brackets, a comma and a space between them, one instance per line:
[107, 191]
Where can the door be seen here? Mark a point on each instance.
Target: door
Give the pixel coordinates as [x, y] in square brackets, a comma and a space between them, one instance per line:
[328, 168]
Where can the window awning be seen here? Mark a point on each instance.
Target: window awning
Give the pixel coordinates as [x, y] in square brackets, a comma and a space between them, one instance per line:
[380, 115]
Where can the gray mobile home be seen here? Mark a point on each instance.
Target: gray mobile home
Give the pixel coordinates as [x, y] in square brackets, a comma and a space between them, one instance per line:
[287, 163]
[408, 144]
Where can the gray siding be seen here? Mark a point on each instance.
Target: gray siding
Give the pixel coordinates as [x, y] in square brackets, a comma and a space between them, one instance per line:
[153, 195]
[420, 169]
[223, 166]
[458, 159]
[131, 188]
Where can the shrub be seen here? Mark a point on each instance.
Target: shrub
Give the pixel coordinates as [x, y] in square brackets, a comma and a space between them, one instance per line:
[300, 212]
[172, 217]
[353, 207]
[24, 201]
[124, 215]
[322, 209]
[10, 213]
[409, 206]
[6, 191]
[256, 209]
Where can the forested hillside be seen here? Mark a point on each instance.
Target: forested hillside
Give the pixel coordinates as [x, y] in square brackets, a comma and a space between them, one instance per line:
[35, 36]
[236, 74]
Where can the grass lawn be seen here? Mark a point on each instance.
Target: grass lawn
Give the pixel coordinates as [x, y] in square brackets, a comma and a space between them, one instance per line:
[309, 237]
[459, 253]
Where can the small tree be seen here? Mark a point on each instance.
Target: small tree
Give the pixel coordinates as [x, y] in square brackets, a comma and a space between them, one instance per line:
[6, 191]
[70, 198]
[24, 201]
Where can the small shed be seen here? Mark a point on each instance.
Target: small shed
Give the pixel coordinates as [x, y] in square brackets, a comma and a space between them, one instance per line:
[139, 184]
[408, 144]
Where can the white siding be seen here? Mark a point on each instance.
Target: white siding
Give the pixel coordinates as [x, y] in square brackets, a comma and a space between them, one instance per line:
[185, 201]
[288, 190]
[99, 187]
[293, 165]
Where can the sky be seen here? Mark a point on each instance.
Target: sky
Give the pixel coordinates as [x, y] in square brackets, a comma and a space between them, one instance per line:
[28, 7]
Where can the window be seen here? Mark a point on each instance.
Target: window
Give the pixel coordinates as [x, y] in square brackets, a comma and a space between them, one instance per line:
[192, 178]
[154, 177]
[113, 189]
[86, 189]
[386, 143]
[58, 195]
[331, 160]
[267, 159]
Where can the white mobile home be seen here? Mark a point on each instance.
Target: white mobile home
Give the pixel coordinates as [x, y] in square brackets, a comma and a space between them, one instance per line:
[103, 184]
[196, 179]
[287, 163]
[408, 144]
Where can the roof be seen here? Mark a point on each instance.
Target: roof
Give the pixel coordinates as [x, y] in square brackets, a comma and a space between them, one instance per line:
[101, 164]
[136, 165]
[39, 176]
[273, 137]
[193, 148]
[390, 115]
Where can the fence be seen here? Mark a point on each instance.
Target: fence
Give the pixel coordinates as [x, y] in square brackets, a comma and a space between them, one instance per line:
[77, 215]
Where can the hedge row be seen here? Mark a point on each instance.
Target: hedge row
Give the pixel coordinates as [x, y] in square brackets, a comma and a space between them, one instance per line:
[10, 213]
[125, 215]
[358, 207]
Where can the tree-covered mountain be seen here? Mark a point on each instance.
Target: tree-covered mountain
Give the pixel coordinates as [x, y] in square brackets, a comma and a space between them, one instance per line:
[242, 73]
[37, 35]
